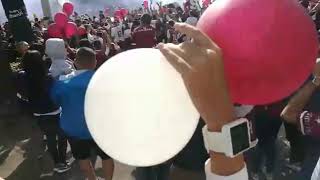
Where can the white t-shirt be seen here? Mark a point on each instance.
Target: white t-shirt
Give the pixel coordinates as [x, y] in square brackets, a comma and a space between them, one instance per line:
[127, 33]
[316, 172]
[116, 33]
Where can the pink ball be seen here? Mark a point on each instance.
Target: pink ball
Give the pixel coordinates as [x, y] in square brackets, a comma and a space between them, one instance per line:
[61, 19]
[146, 4]
[70, 29]
[118, 13]
[124, 12]
[269, 47]
[68, 8]
[54, 31]
[82, 31]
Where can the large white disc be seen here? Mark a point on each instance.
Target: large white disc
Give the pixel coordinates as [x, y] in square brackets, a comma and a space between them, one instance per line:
[138, 110]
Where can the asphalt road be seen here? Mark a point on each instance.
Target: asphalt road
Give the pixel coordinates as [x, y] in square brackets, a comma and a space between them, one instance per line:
[23, 156]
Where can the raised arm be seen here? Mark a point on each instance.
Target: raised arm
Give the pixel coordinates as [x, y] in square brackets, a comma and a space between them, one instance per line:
[200, 64]
[296, 104]
[105, 41]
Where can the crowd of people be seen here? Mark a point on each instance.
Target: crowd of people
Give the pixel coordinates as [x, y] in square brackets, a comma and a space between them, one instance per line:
[54, 74]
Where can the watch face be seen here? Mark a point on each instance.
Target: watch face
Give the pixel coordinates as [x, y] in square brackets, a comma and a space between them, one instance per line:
[239, 138]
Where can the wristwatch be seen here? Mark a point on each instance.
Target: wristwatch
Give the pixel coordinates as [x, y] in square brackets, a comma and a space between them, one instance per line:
[316, 81]
[233, 140]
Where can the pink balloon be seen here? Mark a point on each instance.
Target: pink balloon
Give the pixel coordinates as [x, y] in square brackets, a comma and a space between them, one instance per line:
[82, 31]
[146, 4]
[269, 47]
[68, 8]
[117, 18]
[61, 19]
[124, 12]
[70, 29]
[54, 31]
[206, 3]
[118, 13]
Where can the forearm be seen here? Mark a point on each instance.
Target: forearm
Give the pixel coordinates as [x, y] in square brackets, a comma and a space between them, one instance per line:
[108, 40]
[221, 164]
[104, 45]
[315, 7]
[298, 102]
[223, 114]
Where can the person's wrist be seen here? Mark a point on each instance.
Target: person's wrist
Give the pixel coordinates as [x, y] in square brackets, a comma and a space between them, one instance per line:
[221, 113]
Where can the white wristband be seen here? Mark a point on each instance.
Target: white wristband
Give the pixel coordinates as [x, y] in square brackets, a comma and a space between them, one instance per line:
[240, 175]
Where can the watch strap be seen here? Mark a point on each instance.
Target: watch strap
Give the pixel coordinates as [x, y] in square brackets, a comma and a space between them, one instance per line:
[214, 141]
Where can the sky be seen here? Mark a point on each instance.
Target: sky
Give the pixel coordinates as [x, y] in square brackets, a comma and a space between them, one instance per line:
[34, 6]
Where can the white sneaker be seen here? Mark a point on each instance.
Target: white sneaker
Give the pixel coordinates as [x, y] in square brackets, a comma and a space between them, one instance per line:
[70, 161]
[61, 168]
[294, 166]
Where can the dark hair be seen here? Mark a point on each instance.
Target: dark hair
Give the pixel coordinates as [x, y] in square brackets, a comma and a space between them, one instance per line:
[36, 73]
[85, 43]
[78, 22]
[146, 19]
[39, 47]
[73, 43]
[154, 17]
[85, 55]
[194, 13]
[171, 23]
[97, 45]
[305, 3]
[126, 26]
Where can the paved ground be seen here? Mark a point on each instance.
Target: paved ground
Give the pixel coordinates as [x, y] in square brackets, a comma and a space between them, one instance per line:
[20, 148]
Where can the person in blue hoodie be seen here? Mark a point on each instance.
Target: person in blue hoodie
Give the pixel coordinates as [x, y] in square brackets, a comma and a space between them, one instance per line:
[69, 92]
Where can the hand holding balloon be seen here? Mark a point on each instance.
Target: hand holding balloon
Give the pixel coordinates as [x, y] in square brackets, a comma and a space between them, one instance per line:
[200, 64]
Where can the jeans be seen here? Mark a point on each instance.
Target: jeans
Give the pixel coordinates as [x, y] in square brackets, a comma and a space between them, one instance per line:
[56, 141]
[312, 153]
[267, 129]
[158, 172]
[266, 150]
[294, 136]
